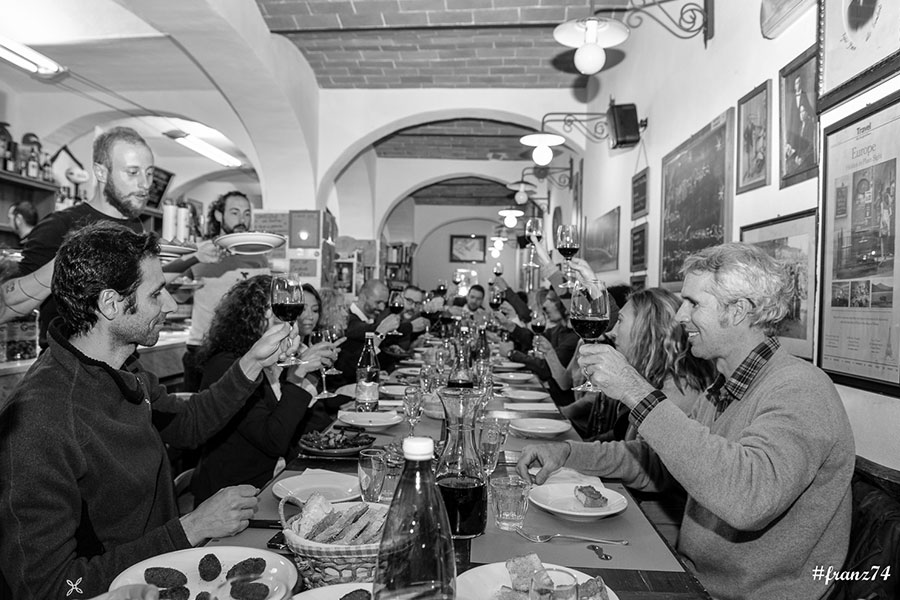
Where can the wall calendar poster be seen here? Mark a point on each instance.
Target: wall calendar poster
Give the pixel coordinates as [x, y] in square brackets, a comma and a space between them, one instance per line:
[860, 321]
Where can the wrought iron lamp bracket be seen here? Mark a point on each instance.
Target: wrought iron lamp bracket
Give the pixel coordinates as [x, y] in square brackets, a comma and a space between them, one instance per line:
[592, 125]
[686, 22]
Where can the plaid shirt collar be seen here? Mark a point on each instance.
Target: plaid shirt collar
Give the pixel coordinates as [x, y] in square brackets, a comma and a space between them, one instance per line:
[723, 392]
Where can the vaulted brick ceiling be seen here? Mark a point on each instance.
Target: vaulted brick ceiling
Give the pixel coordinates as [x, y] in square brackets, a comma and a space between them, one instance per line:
[464, 191]
[457, 139]
[431, 43]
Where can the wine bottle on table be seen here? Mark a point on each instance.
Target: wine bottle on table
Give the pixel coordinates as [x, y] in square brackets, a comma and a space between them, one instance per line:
[368, 373]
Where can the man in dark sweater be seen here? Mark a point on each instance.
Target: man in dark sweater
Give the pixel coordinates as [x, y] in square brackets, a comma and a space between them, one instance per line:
[85, 483]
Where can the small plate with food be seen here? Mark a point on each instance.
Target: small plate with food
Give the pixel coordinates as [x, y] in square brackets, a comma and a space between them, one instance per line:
[512, 581]
[407, 371]
[395, 391]
[375, 421]
[250, 242]
[577, 501]
[334, 443]
[188, 573]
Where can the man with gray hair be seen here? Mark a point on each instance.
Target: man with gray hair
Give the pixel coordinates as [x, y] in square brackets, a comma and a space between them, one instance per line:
[766, 457]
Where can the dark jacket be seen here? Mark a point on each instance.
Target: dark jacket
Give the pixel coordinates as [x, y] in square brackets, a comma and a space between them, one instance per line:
[562, 338]
[247, 448]
[85, 484]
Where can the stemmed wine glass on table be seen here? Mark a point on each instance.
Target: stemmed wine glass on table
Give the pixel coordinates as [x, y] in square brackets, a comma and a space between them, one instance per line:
[538, 326]
[413, 402]
[396, 306]
[286, 299]
[568, 245]
[533, 227]
[333, 334]
[589, 316]
[316, 337]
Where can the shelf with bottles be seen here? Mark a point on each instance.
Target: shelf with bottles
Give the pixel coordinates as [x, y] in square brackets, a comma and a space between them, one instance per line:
[15, 188]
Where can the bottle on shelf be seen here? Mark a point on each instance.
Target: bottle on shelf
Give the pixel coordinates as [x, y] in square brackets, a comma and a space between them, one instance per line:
[416, 557]
[12, 156]
[368, 373]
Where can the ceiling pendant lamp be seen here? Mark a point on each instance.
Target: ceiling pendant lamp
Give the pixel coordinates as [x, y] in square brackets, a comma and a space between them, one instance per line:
[591, 35]
[542, 142]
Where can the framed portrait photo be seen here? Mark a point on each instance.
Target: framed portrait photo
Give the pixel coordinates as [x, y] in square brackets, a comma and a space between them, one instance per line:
[859, 306]
[798, 154]
[792, 240]
[858, 46]
[639, 248]
[754, 132]
[697, 195]
[468, 248]
[639, 184]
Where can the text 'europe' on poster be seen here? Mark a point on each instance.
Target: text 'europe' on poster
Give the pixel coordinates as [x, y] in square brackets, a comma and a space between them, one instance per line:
[860, 312]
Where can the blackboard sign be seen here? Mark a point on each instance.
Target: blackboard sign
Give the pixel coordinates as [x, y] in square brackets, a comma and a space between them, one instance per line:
[161, 180]
[639, 194]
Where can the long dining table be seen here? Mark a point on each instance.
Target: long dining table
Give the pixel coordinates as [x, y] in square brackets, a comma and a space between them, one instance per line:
[645, 569]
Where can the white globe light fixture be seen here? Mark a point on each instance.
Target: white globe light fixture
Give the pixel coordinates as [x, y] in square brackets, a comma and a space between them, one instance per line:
[510, 221]
[591, 35]
[542, 143]
[542, 155]
[589, 59]
[510, 216]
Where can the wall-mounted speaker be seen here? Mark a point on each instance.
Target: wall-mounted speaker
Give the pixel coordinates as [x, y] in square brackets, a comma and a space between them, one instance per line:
[624, 128]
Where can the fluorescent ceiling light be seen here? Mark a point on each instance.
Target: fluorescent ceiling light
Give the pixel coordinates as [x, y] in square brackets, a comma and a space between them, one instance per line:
[204, 148]
[29, 60]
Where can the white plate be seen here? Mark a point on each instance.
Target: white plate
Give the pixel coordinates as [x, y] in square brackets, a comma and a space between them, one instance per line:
[539, 428]
[481, 583]
[250, 242]
[412, 362]
[335, 487]
[332, 592]
[513, 377]
[524, 395]
[370, 420]
[559, 499]
[506, 364]
[409, 371]
[396, 391]
[173, 250]
[187, 562]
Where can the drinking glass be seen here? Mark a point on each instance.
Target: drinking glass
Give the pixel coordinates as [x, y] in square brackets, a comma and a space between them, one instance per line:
[334, 333]
[286, 299]
[509, 496]
[489, 444]
[396, 306]
[316, 337]
[498, 269]
[533, 227]
[413, 401]
[441, 289]
[568, 245]
[538, 326]
[589, 317]
[553, 584]
[270, 584]
[496, 299]
[371, 469]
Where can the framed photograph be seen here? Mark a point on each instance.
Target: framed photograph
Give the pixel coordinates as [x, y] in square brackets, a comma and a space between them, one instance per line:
[345, 276]
[639, 182]
[639, 248]
[799, 155]
[753, 117]
[858, 46]
[638, 282]
[792, 240]
[467, 248]
[600, 244]
[858, 305]
[697, 195]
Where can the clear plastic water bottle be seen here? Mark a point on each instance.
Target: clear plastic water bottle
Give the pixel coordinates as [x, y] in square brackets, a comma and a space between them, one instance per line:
[416, 558]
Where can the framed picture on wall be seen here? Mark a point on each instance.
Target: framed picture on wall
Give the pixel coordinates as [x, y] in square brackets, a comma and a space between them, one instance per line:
[776, 15]
[639, 184]
[754, 132]
[792, 240]
[639, 248]
[697, 195]
[467, 248]
[638, 282]
[798, 154]
[858, 46]
[859, 308]
[600, 245]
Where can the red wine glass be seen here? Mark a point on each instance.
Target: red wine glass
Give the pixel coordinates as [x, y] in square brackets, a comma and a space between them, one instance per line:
[589, 317]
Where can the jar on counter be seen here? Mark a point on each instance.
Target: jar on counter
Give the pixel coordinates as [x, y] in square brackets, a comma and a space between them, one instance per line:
[22, 338]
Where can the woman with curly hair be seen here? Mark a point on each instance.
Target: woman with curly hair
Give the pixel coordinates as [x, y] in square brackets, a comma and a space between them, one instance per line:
[247, 449]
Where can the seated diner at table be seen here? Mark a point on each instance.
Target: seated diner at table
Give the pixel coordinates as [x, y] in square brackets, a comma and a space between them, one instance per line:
[246, 450]
[766, 458]
[85, 482]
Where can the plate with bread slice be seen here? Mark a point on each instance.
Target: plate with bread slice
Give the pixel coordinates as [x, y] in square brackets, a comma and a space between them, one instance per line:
[511, 580]
[338, 591]
[577, 501]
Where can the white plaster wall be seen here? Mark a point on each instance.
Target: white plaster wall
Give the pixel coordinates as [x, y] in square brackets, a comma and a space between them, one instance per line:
[432, 259]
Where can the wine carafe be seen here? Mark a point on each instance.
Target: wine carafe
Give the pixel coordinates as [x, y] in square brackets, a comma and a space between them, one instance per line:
[460, 474]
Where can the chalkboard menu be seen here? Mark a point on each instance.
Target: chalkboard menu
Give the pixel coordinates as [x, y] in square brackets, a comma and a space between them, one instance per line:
[161, 180]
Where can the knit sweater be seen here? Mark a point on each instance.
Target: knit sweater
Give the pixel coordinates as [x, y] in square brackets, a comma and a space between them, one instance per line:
[85, 484]
[768, 481]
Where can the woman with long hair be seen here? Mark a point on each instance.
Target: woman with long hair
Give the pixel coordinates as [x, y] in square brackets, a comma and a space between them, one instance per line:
[247, 449]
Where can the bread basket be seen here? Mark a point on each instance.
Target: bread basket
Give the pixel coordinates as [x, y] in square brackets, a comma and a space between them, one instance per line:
[327, 564]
